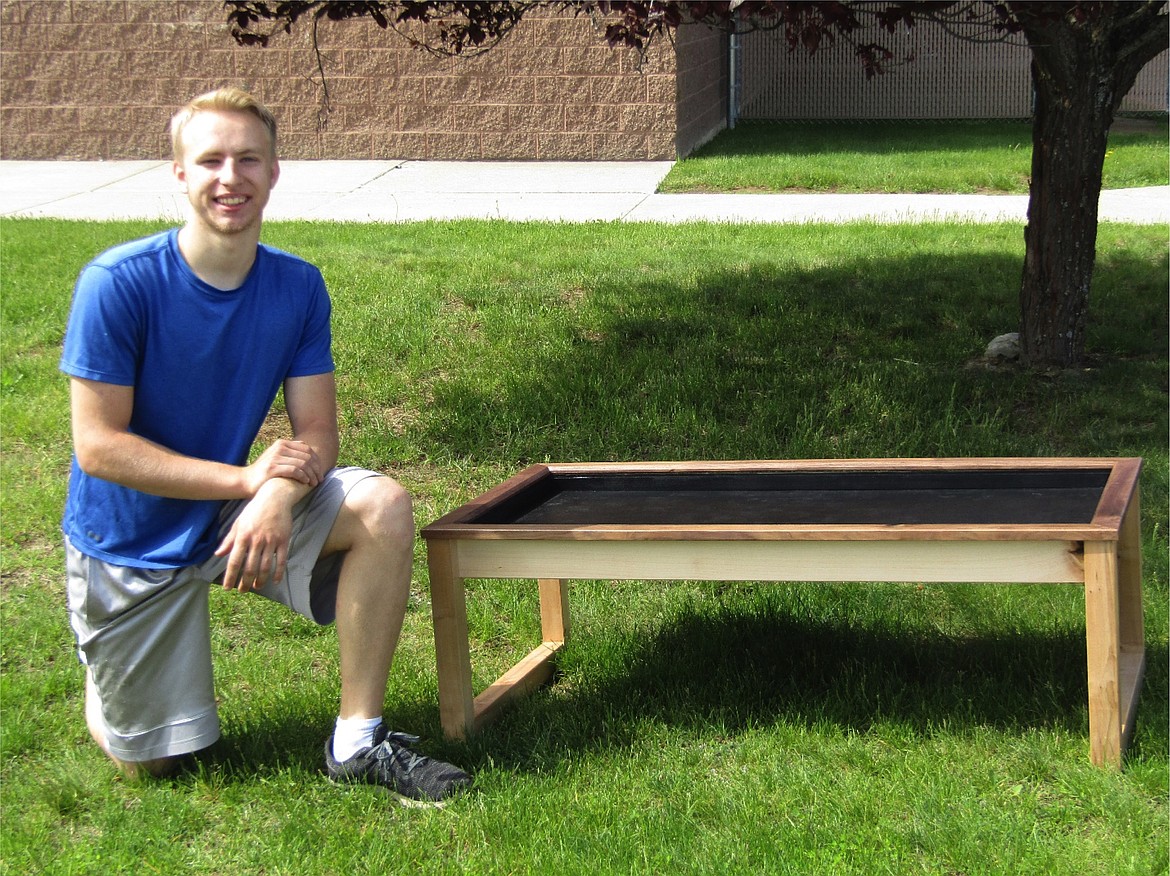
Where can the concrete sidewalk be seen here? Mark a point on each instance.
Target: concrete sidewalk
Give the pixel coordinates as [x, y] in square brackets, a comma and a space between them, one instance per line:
[406, 191]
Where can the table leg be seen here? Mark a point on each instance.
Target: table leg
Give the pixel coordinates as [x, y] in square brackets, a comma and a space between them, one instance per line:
[554, 610]
[452, 649]
[1131, 627]
[1102, 647]
[1114, 638]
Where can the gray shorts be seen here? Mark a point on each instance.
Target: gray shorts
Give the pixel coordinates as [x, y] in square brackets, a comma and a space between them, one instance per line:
[145, 633]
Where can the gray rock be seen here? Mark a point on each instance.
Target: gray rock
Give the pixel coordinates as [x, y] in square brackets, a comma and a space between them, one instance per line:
[1004, 347]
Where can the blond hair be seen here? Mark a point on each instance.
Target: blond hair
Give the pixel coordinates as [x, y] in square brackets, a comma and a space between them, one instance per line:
[226, 99]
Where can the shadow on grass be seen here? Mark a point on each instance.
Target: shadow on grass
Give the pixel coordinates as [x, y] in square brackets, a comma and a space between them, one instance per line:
[731, 672]
[772, 360]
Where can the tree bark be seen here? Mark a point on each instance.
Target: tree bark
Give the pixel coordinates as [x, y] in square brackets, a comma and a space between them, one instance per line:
[1082, 67]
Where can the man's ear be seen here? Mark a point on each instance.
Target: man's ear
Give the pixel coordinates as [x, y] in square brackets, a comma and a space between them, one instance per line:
[275, 172]
[180, 176]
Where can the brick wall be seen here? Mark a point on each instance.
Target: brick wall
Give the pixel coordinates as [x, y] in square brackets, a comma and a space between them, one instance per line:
[701, 62]
[99, 79]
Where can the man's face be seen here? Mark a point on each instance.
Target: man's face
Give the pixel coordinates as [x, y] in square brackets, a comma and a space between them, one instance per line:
[227, 168]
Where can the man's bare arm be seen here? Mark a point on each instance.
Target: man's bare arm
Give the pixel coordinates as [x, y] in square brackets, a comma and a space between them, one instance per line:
[257, 544]
[106, 448]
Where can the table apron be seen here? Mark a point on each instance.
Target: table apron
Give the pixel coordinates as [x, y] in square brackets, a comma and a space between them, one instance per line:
[926, 561]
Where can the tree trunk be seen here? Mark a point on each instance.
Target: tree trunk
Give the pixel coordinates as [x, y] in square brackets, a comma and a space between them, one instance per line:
[1073, 112]
[1081, 70]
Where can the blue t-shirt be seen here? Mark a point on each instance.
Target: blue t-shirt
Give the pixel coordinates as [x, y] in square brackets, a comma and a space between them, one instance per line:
[205, 366]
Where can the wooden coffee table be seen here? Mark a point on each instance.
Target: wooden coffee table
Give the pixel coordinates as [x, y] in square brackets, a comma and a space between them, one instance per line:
[929, 520]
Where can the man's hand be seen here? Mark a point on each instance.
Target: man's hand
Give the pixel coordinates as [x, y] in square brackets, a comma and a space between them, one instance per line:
[286, 458]
[257, 543]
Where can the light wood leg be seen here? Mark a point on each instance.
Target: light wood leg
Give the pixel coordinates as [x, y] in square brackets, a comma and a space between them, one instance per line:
[1131, 627]
[1102, 643]
[452, 649]
[1114, 637]
[554, 609]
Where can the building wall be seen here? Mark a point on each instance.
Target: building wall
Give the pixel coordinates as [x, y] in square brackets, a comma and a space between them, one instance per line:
[948, 78]
[701, 59]
[99, 79]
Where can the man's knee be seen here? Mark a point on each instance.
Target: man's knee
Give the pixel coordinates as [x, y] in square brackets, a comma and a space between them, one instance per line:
[382, 508]
[158, 768]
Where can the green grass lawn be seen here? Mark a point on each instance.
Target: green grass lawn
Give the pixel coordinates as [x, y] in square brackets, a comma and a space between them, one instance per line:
[694, 727]
[976, 157]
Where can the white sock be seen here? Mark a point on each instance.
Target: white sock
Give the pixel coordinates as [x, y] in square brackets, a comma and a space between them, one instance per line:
[351, 735]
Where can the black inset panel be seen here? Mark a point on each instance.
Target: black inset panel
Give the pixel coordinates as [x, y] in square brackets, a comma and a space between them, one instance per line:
[1020, 496]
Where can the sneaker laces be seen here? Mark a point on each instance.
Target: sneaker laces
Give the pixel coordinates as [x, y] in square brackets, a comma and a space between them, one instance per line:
[400, 744]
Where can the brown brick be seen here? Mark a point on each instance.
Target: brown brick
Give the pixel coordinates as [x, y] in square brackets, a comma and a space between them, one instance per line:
[567, 30]
[519, 90]
[354, 34]
[84, 11]
[167, 36]
[195, 65]
[590, 60]
[423, 117]
[384, 92]
[409, 89]
[296, 119]
[661, 88]
[348, 90]
[37, 37]
[150, 10]
[660, 146]
[373, 63]
[391, 145]
[565, 147]
[304, 66]
[199, 10]
[454, 89]
[154, 92]
[36, 11]
[481, 118]
[452, 146]
[95, 37]
[81, 146]
[629, 88]
[106, 65]
[510, 146]
[596, 118]
[11, 14]
[151, 119]
[646, 118]
[417, 62]
[620, 147]
[526, 61]
[288, 91]
[255, 62]
[351, 145]
[26, 147]
[34, 92]
[89, 91]
[17, 66]
[568, 90]
[538, 117]
[371, 117]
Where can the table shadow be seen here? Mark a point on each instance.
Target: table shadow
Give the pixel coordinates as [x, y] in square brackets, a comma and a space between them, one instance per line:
[736, 672]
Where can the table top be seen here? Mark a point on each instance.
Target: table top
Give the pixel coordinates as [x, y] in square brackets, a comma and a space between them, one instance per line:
[1075, 498]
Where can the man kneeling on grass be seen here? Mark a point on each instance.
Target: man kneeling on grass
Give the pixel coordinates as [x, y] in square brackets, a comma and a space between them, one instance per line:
[176, 347]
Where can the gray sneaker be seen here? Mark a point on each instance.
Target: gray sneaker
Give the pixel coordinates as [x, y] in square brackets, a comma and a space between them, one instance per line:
[414, 778]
